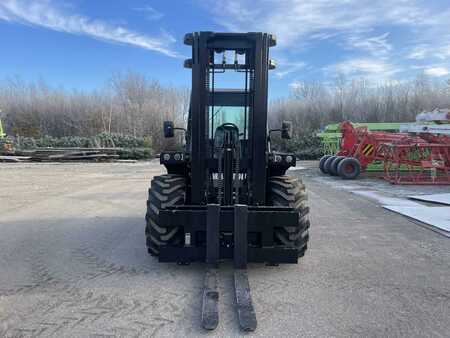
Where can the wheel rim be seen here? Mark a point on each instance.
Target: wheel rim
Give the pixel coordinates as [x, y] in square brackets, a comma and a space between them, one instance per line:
[349, 168]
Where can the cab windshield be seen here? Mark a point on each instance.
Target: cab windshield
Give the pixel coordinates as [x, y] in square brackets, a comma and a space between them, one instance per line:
[226, 114]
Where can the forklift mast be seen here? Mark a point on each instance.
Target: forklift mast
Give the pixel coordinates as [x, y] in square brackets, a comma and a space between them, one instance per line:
[250, 62]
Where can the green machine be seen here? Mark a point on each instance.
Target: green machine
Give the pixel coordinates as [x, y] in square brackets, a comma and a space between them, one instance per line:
[2, 134]
[6, 145]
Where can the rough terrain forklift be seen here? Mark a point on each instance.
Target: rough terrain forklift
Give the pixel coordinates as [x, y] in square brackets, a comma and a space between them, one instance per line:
[227, 195]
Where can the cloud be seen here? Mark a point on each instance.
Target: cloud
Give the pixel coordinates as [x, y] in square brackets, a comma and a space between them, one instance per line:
[443, 52]
[3, 15]
[372, 69]
[418, 53]
[294, 20]
[376, 34]
[44, 13]
[375, 45]
[295, 85]
[150, 13]
[436, 71]
[287, 68]
[428, 51]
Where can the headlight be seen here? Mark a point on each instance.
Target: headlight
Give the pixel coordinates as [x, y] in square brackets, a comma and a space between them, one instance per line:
[177, 157]
[277, 158]
[166, 157]
[289, 159]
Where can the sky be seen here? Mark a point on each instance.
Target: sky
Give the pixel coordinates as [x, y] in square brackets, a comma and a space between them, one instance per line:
[79, 44]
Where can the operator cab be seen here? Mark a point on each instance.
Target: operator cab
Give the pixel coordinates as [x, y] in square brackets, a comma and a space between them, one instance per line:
[227, 123]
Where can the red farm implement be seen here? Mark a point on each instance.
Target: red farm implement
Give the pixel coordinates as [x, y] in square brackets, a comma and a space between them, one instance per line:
[426, 162]
[408, 159]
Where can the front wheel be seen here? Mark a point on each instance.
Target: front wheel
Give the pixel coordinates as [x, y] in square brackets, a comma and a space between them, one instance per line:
[165, 191]
[287, 191]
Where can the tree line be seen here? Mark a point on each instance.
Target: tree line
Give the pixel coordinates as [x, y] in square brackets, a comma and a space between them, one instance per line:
[131, 104]
[312, 105]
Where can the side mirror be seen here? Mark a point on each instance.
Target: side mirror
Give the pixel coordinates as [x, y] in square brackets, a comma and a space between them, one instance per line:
[168, 129]
[286, 130]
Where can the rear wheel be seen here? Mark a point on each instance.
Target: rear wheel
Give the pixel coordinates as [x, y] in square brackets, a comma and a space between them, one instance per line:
[288, 191]
[349, 168]
[165, 191]
[322, 162]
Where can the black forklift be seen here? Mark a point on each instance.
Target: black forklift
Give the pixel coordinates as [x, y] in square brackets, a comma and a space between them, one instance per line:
[227, 195]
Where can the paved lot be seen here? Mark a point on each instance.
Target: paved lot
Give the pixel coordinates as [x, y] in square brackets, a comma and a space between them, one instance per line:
[73, 263]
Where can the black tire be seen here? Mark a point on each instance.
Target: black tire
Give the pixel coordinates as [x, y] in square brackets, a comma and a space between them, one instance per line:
[165, 190]
[334, 164]
[349, 168]
[322, 162]
[327, 164]
[288, 191]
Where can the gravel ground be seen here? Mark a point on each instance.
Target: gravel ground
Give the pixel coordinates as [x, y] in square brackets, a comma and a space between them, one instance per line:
[73, 263]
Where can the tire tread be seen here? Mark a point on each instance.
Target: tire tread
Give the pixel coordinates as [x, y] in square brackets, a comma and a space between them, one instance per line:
[291, 192]
[165, 190]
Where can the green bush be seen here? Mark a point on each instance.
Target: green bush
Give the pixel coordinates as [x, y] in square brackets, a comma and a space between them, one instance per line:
[135, 153]
[99, 141]
[309, 147]
[305, 147]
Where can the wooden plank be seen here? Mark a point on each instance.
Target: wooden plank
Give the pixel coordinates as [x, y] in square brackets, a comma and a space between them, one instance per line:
[13, 159]
[86, 157]
[75, 153]
[60, 151]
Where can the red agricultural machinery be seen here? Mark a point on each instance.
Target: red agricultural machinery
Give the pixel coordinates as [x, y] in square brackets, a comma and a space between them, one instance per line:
[425, 161]
[422, 158]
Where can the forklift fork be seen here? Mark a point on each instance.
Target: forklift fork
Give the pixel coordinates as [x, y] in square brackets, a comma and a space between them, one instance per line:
[210, 312]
